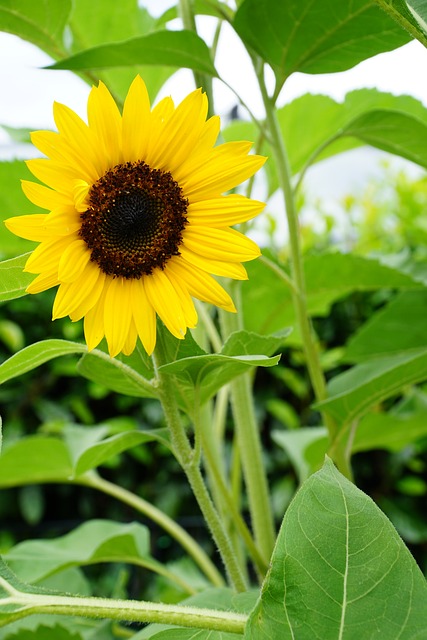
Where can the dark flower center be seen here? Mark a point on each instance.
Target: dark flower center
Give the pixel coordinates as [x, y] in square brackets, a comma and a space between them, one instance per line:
[134, 220]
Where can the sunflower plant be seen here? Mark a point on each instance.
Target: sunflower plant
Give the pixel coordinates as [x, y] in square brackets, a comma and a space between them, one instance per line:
[138, 231]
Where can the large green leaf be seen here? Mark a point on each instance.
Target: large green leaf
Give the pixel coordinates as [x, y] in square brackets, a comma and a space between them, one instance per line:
[409, 14]
[388, 331]
[267, 300]
[57, 632]
[13, 280]
[353, 392]
[169, 48]
[98, 22]
[395, 132]
[93, 542]
[115, 375]
[199, 378]
[316, 36]
[316, 126]
[339, 570]
[38, 459]
[37, 354]
[41, 23]
[35, 459]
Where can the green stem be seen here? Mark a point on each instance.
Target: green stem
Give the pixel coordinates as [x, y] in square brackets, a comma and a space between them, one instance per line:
[299, 293]
[185, 456]
[237, 519]
[156, 515]
[251, 452]
[129, 610]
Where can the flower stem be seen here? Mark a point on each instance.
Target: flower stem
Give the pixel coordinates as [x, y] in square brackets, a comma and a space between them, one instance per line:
[129, 610]
[299, 293]
[185, 456]
[156, 515]
[251, 452]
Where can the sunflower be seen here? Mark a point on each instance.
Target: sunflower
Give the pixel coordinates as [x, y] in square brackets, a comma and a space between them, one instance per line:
[137, 221]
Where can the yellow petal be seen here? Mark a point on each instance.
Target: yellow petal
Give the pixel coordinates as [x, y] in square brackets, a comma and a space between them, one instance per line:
[227, 245]
[80, 192]
[30, 227]
[226, 269]
[94, 321]
[47, 255]
[63, 222]
[79, 136]
[200, 284]
[188, 308]
[224, 211]
[43, 196]
[71, 295]
[144, 315]
[130, 342]
[117, 314]
[105, 122]
[136, 121]
[226, 166]
[164, 299]
[201, 149]
[57, 175]
[59, 150]
[179, 134]
[42, 282]
[73, 261]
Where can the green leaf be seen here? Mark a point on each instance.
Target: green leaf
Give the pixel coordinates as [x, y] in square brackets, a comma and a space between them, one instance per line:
[13, 280]
[339, 570]
[171, 48]
[353, 392]
[41, 23]
[315, 126]
[115, 375]
[93, 542]
[37, 354]
[201, 377]
[387, 331]
[249, 343]
[390, 432]
[267, 300]
[89, 448]
[395, 132]
[316, 36]
[35, 459]
[200, 7]
[306, 448]
[43, 632]
[98, 22]
[410, 15]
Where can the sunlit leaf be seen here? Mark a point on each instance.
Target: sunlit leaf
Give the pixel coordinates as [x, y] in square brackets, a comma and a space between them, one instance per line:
[388, 332]
[93, 542]
[410, 15]
[37, 354]
[316, 36]
[169, 48]
[98, 22]
[13, 280]
[339, 569]
[41, 23]
[353, 392]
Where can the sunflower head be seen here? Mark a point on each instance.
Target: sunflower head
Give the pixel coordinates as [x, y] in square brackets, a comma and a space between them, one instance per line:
[136, 221]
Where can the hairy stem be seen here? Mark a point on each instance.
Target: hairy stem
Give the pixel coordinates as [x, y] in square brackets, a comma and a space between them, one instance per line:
[185, 455]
